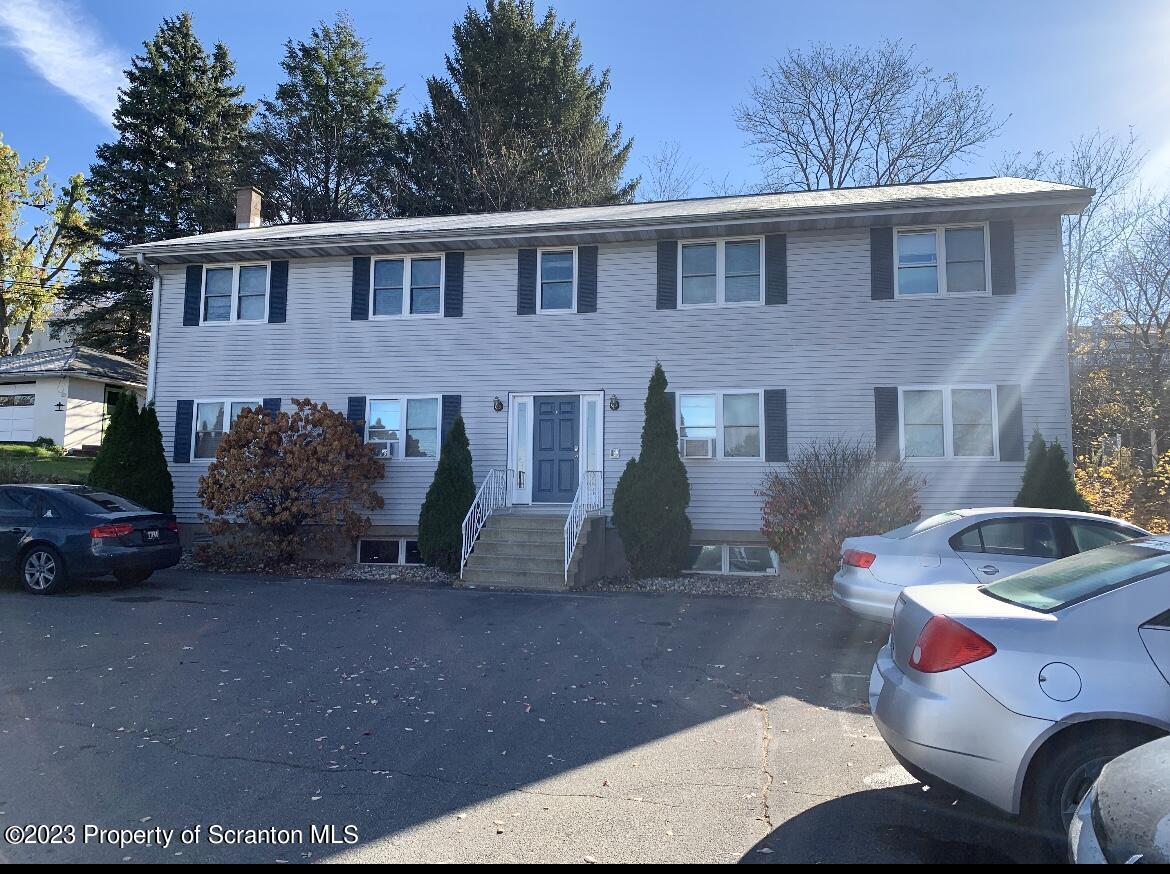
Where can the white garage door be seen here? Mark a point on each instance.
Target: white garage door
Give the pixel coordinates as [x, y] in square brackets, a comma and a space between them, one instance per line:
[16, 416]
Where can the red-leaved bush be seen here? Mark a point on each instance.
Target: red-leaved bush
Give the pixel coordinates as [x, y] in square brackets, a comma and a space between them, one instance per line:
[832, 490]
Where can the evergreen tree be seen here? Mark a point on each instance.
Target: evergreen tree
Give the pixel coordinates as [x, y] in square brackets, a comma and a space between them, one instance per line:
[327, 144]
[440, 522]
[518, 123]
[171, 172]
[651, 499]
[150, 485]
[1033, 471]
[1048, 478]
[115, 467]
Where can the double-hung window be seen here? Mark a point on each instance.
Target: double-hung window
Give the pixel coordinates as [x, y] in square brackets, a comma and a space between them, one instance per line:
[407, 286]
[723, 424]
[405, 427]
[558, 280]
[949, 422]
[213, 419]
[720, 272]
[950, 259]
[235, 294]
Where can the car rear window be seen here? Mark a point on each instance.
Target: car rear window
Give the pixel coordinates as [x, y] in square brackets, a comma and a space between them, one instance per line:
[102, 502]
[920, 526]
[1059, 584]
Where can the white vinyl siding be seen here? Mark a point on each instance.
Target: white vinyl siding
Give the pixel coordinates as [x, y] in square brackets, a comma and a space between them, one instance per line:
[829, 346]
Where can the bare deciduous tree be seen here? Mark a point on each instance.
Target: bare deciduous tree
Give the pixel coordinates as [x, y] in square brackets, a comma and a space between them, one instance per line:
[1136, 287]
[831, 117]
[669, 174]
[1109, 164]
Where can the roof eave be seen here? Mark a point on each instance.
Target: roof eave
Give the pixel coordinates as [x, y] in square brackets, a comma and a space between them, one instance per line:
[1067, 202]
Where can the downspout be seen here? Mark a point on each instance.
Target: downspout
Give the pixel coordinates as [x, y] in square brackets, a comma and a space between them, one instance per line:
[152, 359]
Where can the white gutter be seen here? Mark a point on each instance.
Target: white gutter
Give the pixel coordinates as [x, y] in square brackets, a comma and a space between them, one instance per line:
[156, 293]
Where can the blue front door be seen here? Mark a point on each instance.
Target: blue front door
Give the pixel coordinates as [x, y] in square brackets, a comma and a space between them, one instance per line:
[555, 432]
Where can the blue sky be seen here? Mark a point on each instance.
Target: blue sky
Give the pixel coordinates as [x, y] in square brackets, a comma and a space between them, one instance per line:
[678, 67]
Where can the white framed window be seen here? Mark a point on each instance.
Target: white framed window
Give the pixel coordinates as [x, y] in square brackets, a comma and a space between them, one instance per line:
[721, 424]
[721, 272]
[959, 421]
[410, 286]
[389, 550]
[214, 418]
[404, 427]
[235, 293]
[730, 558]
[942, 260]
[556, 280]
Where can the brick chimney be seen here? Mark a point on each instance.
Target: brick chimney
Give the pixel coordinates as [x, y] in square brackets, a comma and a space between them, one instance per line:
[248, 207]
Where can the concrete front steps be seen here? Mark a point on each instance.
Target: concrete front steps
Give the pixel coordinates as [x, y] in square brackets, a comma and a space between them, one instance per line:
[520, 549]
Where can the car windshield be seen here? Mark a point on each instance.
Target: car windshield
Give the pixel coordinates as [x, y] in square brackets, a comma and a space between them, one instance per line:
[1060, 583]
[102, 502]
[920, 526]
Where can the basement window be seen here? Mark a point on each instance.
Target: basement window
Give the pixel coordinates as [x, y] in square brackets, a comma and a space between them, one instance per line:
[731, 558]
[388, 550]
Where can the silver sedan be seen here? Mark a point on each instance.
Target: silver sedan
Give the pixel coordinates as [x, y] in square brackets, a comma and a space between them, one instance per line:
[1019, 691]
[963, 546]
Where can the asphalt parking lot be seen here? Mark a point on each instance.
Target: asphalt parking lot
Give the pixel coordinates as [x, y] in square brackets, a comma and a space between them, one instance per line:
[441, 725]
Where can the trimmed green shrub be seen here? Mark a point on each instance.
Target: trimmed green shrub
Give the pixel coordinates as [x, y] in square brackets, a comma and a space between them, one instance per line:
[440, 522]
[652, 496]
[832, 490]
[114, 467]
[1048, 479]
[150, 484]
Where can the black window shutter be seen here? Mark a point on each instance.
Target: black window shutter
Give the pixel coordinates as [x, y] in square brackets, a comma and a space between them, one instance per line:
[526, 282]
[278, 292]
[356, 413]
[192, 294]
[667, 274]
[775, 424]
[452, 408]
[360, 305]
[586, 279]
[453, 285]
[184, 413]
[1003, 258]
[881, 263]
[775, 269]
[1011, 422]
[887, 441]
[271, 405]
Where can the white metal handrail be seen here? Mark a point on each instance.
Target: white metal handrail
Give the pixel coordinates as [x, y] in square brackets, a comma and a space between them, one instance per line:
[492, 495]
[586, 502]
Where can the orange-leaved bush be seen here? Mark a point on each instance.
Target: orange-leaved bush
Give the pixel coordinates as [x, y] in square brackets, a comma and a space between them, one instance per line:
[284, 485]
[832, 490]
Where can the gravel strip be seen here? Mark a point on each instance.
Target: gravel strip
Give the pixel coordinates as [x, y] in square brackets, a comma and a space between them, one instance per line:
[763, 586]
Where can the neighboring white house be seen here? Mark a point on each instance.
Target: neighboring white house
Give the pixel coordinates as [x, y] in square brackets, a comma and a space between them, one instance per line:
[927, 319]
[65, 394]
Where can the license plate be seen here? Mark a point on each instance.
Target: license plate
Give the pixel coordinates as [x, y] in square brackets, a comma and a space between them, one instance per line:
[152, 535]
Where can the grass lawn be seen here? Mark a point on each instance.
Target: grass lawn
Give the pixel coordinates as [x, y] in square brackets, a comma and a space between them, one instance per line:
[45, 464]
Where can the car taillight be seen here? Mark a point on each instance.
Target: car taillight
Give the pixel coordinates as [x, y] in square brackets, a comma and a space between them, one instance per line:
[945, 644]
[173, 526]
[114, 529]
[858, 558]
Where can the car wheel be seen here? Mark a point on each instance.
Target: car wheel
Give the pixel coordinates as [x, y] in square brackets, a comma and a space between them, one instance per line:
[42, 571]
[132, 578]
[1058, 781]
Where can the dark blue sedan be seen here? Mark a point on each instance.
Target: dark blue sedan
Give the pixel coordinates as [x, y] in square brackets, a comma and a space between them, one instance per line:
[51, 534]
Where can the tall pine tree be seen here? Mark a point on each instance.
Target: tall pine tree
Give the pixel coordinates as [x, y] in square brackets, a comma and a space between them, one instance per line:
[327, 144]
[518, 123]
[171, 172]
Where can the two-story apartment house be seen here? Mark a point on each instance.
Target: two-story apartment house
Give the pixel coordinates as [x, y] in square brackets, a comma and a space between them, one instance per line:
[926, 318]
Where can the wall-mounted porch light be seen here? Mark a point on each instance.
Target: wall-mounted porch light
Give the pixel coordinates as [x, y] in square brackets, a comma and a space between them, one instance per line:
[497, 404]
[59, 407]
[614, 403]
